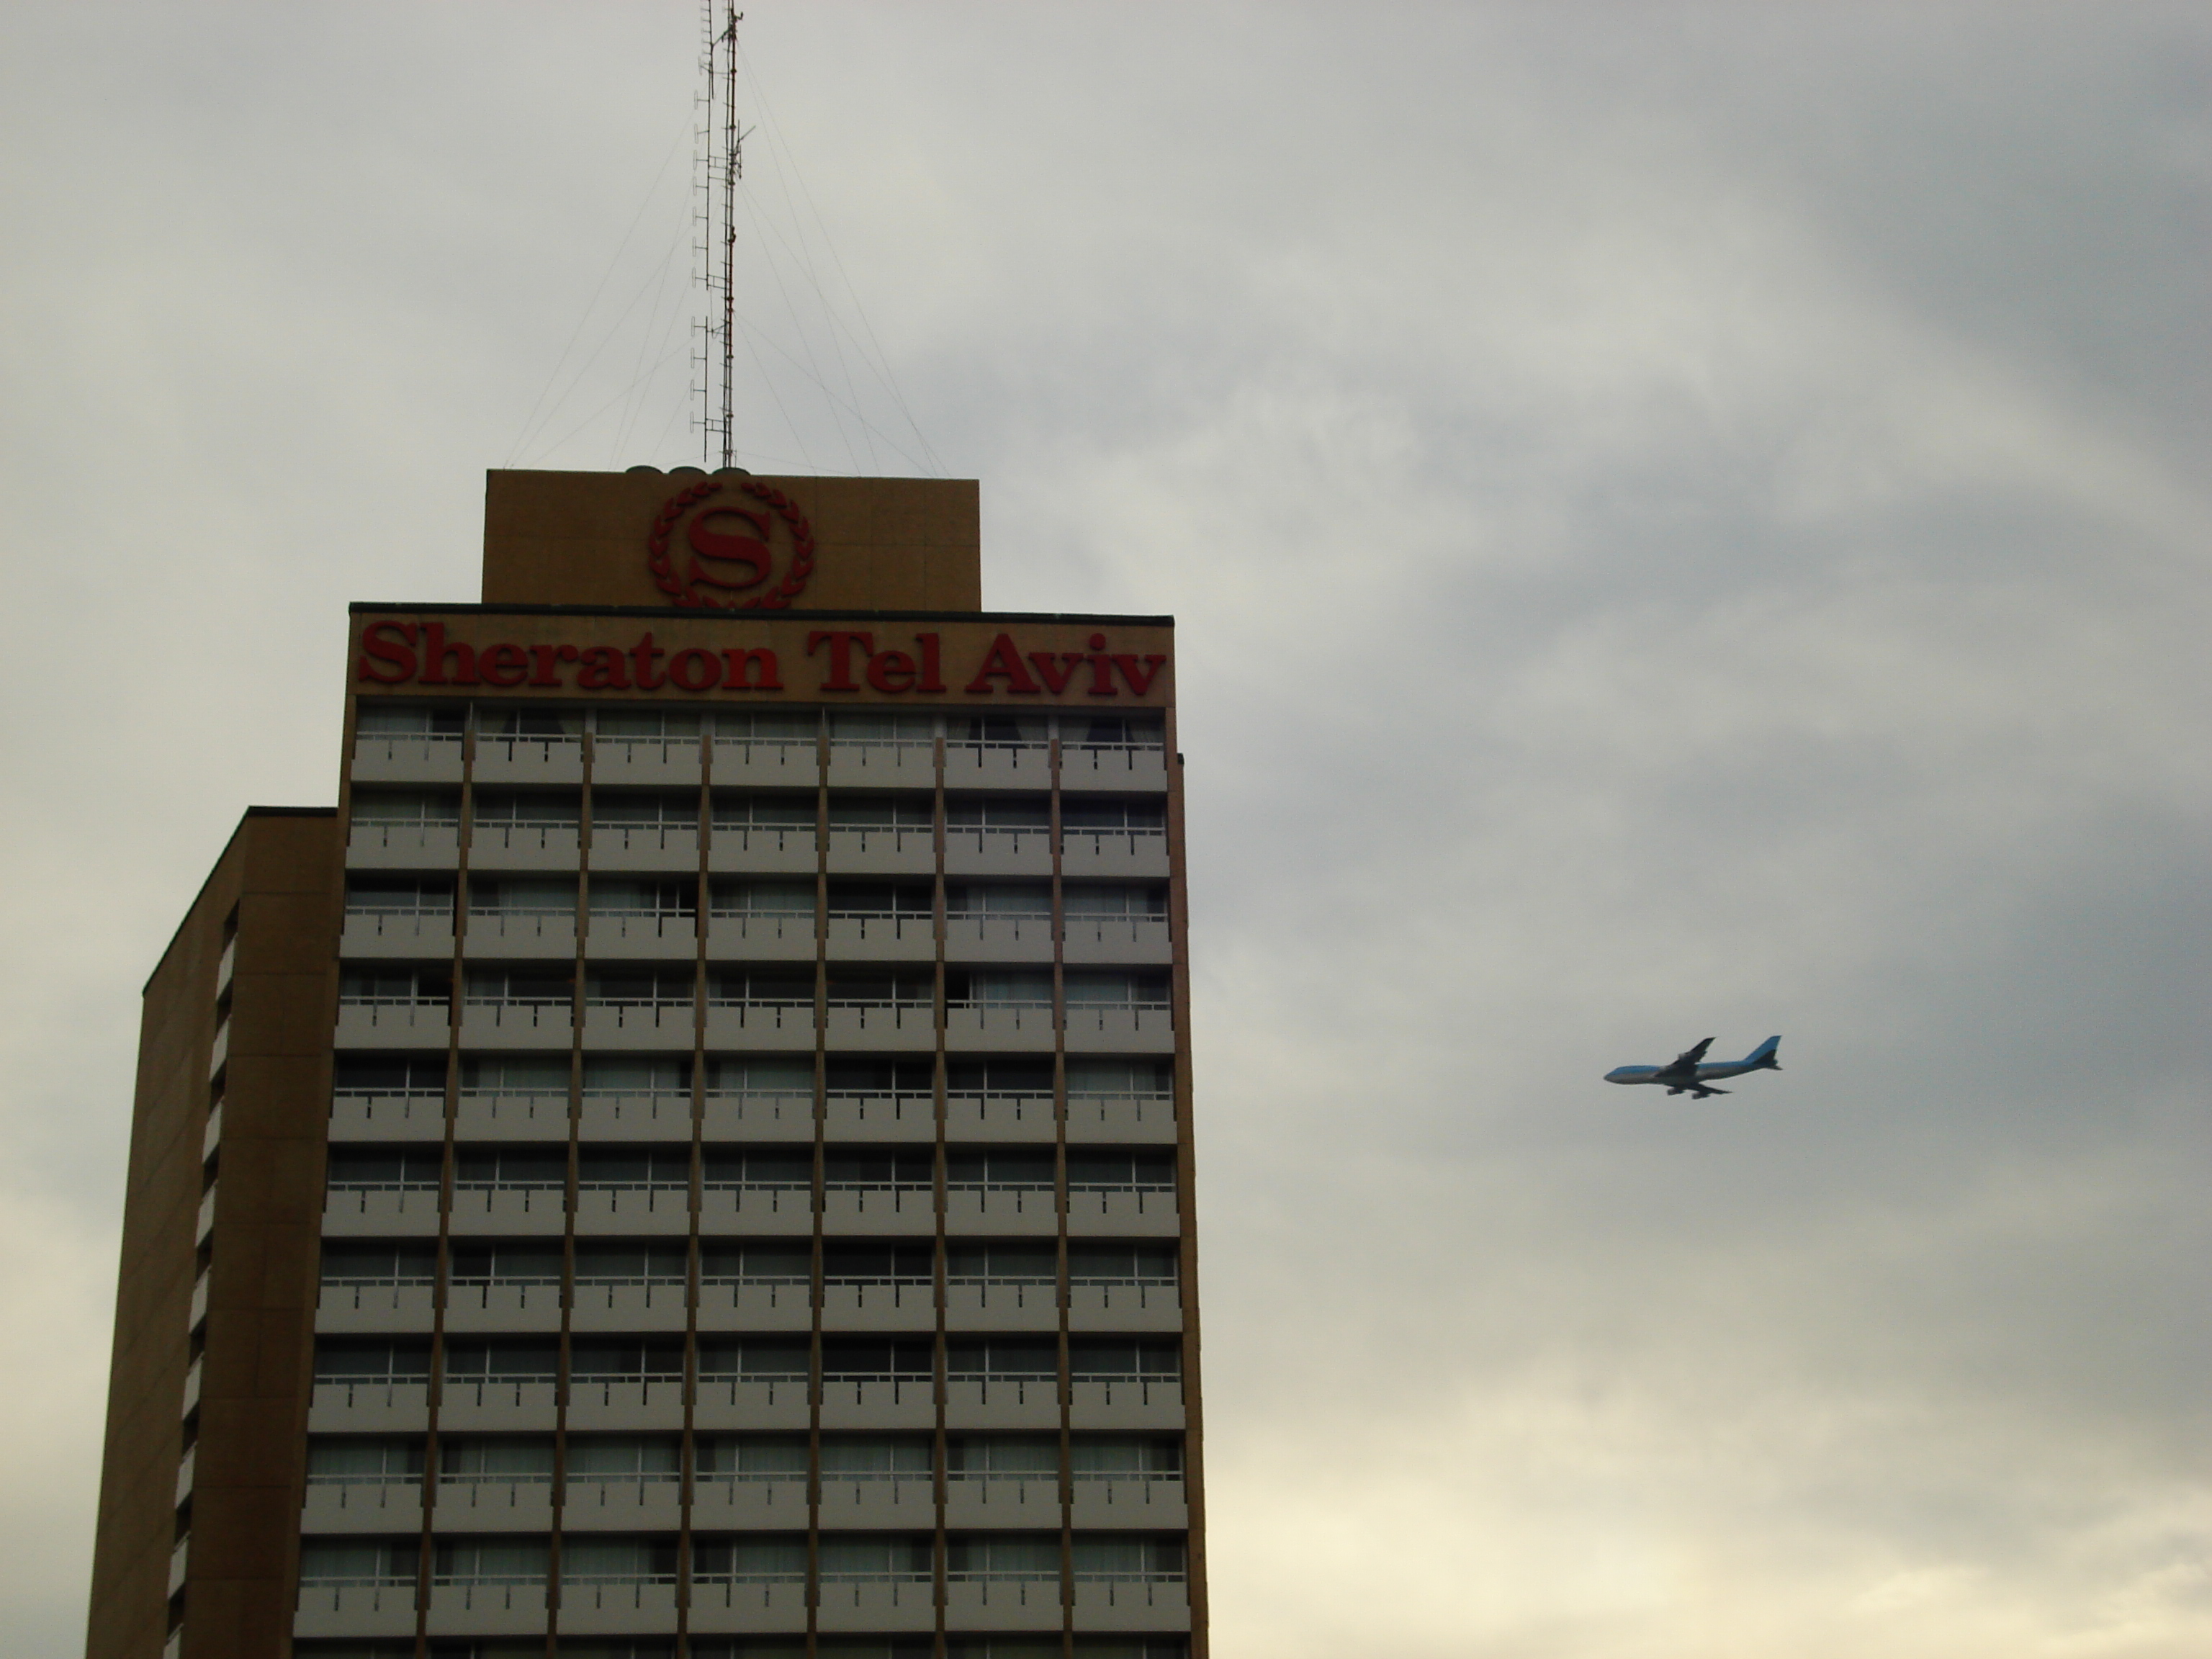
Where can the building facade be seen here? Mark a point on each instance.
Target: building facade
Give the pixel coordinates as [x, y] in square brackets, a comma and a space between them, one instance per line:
[693, 1155]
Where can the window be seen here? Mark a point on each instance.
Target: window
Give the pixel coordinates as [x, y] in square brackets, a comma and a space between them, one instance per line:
[385, 1168]
[866, 988]
[879, 1264]
[607, 1076]
[615, 1560]
[760, 987]
[985, 899]
[1110, 731]
[632, 1264]
[514, 1077]
[1001, 1077]
[1110, 1358]
[1116, 1169]
[490, 1561]
[513, 987]
[649, 988]
[1031, 1556]
[876, 1457]
[499, 809]
[902, 1078]
[1117, 990]
[334, 1564]
[339, 1361]
[864, 812]
[865, 1360]
[510, 1169]
[1003, 812]
[752, 1457]
[624, 1457]
[394, 987]
[505, 1265]
[529, 1360]
[527, 720]
[1006, 989]
[1002, 1263]
[756, 1261]
[398, 896]
[871, 726]
[988, 1357]
[768, 811]
[881, 1169]
[615, 1167]
[1003, 1456]
[999, 1169]
[615, 896]
[761, 1077]
[1092, 1263]
[408, 720]
[367, 1263]
[1138, 900]
[523, 895]
[1146, 816]
[1107, 1555]
[419, 808]
[769, 1558]
[507, 1460]
[627, 1359]
[758, 1169]
[901, 1556]
[877, 898]
[645, 723]
[996, 728]
[766, 725]
[765, 898]
[359, 1075]
[1107, 1457]
[1146, 1078]
[365, 1463]
[755, 1359]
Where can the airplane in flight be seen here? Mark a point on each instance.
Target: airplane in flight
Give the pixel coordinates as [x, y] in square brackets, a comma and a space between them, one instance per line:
[1688, 1073]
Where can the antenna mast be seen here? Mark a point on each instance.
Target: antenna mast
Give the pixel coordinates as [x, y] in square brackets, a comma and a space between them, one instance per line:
[721, 164]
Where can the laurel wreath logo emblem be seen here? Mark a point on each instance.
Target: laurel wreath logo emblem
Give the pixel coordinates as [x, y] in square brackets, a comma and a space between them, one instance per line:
[732, 549]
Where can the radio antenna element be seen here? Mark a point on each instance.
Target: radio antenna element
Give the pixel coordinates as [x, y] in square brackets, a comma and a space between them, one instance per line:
[720, 164]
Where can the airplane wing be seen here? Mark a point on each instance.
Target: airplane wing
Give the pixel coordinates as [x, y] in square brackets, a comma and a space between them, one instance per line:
[1691, 1056]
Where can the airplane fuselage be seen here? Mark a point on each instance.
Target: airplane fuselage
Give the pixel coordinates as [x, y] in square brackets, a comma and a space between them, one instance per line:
[1686, 1075]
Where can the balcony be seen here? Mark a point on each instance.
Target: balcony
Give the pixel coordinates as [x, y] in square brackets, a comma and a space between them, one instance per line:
[727, 1498]
[542, 759]
[490, 1021]
[982, 1302]
[372, 1209]
[1108, 766]
[368, 1503]
[1126, 1402]
[1131, 1601]
[510, 1114]
[758, 1114]
[1010, 1602]
[879, 1498]
[487, 1608]
[523, 1305]
[1125, 1304]
[478, 1502]
[763, 848]
[1018, 1114]
[393, 1022]
[407, 758]
[885, 1114]
[1110, 940]
[361, 1608]
[633, 1402]
[995, 1498]
[598, 1606]
[671, 759]
[623, 1022]
[523, 935]
[379, 844]
[361, 1305]
[1002, 1206]
[532, 1208]
[411, 931]
[1129, 852]
[647, 1499]
[736, 1205]
[524, 844]
[885, 1206]
[881, 849]
[880, 936]
[973, 764]
[733, 1401]
[769, 763]
[978, 1027]
[999, 1400]
[983, 936]
[762, 1303]
[748, 1602]
[644, 935]
[645, 846]
[1129, 1498]
[637, 1303]
[903, 762]
[510, 1403]
[368, 1406]
[649, 1206]
[887, 1401]
[998, 850]
[761, 935]
[1109, 1028]
[637, 1114]
[873, 1602]
[1145, 1208]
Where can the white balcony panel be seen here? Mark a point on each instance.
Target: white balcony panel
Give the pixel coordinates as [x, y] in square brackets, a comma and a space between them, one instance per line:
[610, 1502]
[975, 1602]
[998, 1116]
[219, 1050]
[761, 936]
[1147, 1211]
[1141, 1118]
[882, 939]
[756, 1210]
[1018, 1210]
[185, 1467]
[505, 845]
[526, 935]
[362, 1506]
[724, 1606]
[893, 850]
[998, 765]
[645, 760]
[608, 1115]
[394, 1024]
[517, 1405]
[617, 1606]
[225, 966]
[911, 1026]
[763, 849]
[368, 1407]
[502, 1306]
[887, 1403]
[373, 1308]
[891, 1307]
[199, 1306]
[884, 763]
[486, 1609]
[639, 1209]
[905, 1504]
[983, 938]
[1125, 1403]
[530, 1211]
[409, 757]
[657, 1305]
[1137, 940]
[372, 933]
[211, 1136]
[857, 1115]
[655, 938]
[732, 1500]
[472, 1505]
[990, 1027]
[971, 1306]
[517, 1024]
[759, 1115]
[996, 1501]
[354, 1610]
[736, 1402]
[1120, 1028]
[203, 1223]
[1001, 1402]
[409, 1211]
[780, 1026]
[973, 851]
[1113, 766]
[906, 1210]
[602, 1403]
[723, 1306]
[767, 764]
[529, 760]
[1132, 1603]
[511, 1115]
[631, 1025]
[886, 1602]
[1113, 852]
[403, 846]
[1130, 1500]
[1124, 1307]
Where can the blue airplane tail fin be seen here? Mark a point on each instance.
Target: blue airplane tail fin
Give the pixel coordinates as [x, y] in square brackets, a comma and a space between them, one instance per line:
[1765, 1055]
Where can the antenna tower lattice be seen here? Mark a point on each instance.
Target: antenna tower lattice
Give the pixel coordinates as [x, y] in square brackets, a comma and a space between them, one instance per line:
[720, 164]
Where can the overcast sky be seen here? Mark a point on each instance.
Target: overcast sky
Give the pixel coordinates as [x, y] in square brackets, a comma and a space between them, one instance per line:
[1684, 521]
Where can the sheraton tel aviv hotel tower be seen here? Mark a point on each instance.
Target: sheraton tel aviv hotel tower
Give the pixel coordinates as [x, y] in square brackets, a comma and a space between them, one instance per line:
[692, 1156]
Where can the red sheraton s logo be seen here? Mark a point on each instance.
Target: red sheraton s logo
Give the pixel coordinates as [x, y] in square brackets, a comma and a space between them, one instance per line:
[838, 660]
[731, 547]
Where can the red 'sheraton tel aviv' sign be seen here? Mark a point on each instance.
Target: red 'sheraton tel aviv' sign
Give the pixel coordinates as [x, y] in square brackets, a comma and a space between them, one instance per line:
[395, 653]
[738, 542]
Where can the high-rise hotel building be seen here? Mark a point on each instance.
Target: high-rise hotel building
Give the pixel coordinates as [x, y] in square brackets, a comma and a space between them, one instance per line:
[693, 1155]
